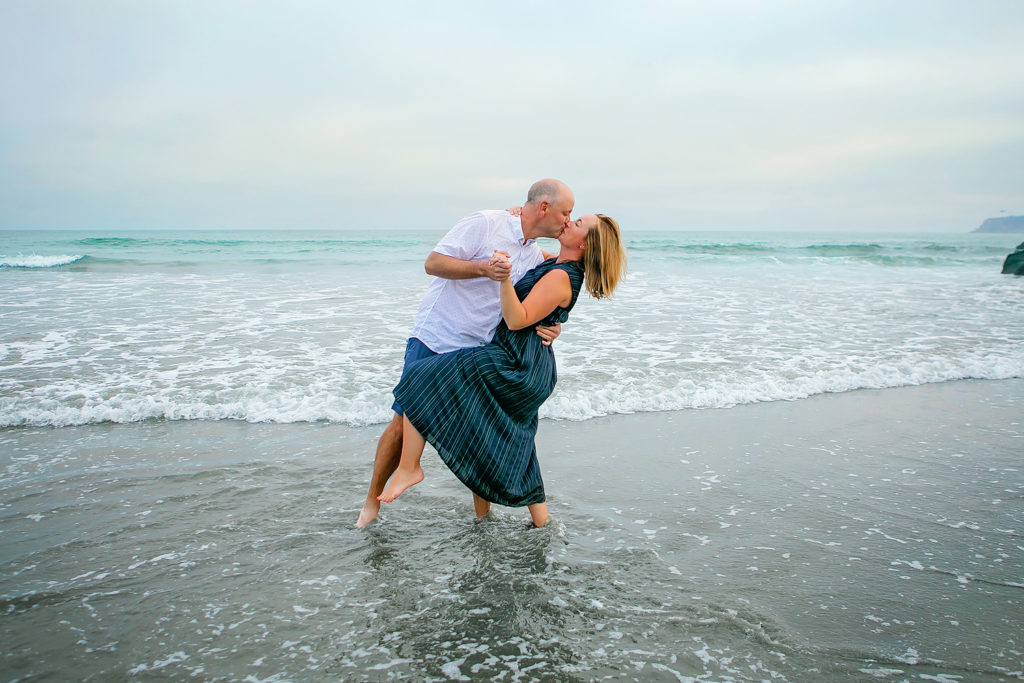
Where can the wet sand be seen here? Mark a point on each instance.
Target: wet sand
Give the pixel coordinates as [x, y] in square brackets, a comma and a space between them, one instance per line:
[866, 535]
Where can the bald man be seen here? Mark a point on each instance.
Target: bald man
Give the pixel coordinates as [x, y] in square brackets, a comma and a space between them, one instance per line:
[462, 306]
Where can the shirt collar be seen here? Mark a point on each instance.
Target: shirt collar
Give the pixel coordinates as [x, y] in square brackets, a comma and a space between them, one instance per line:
[517, 230]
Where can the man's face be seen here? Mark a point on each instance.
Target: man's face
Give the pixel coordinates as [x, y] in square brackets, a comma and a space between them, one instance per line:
[557, 215]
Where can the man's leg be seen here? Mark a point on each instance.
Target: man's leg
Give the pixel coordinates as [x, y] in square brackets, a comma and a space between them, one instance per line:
[389, 450]
[389, 447]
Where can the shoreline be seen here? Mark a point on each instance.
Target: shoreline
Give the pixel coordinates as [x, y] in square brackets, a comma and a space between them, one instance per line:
[357, 430]
[863, 419]
[1011, 389]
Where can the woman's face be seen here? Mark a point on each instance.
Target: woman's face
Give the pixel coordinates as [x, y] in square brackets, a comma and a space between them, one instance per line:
[575, 234]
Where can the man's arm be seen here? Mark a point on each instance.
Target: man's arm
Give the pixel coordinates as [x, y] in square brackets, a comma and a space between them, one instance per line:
[451, 268]
[548, 334]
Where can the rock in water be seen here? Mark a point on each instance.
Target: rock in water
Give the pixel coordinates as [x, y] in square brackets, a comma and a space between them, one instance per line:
[1014, 263]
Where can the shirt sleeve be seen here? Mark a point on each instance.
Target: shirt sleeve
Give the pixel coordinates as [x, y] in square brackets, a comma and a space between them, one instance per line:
[466, 241]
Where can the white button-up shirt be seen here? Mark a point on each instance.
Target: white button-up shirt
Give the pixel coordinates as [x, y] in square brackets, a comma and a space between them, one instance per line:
[456, 314]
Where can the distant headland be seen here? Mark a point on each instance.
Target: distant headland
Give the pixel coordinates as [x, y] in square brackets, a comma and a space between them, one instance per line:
[1004, 224]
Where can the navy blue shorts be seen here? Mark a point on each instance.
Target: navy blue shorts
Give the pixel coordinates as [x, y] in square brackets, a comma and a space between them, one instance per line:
[415, 351]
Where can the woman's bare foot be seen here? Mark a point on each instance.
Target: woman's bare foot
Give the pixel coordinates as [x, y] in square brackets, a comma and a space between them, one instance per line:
[368, 513]
[401, 480]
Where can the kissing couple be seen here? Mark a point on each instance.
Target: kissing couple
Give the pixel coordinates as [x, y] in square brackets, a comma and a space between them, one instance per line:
[479, 361]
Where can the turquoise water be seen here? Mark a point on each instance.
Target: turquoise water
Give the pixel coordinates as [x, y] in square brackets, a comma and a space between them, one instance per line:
[241, 249]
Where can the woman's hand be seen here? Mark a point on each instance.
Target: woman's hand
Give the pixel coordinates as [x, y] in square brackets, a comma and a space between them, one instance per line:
[516, 210]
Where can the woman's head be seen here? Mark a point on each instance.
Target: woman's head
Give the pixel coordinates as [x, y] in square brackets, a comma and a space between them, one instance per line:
[604, 258]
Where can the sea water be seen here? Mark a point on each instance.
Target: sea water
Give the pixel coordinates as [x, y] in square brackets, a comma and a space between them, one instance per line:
[306, 327]
[188, 422]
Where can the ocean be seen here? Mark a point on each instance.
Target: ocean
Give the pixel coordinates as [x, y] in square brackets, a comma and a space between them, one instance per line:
[771, 457]
[308, 327]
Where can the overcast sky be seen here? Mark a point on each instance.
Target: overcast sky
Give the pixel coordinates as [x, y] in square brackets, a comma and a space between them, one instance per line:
[775, 115]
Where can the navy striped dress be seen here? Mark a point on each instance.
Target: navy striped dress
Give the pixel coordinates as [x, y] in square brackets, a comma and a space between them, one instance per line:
[478, 406]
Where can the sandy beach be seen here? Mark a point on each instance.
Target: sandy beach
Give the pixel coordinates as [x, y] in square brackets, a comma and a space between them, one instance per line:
[873, 534]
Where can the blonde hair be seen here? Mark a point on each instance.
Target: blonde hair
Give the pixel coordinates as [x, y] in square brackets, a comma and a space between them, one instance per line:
[604, 259]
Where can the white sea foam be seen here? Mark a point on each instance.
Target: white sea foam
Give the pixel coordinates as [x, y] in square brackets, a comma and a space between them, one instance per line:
[77, 405]
[38, 260]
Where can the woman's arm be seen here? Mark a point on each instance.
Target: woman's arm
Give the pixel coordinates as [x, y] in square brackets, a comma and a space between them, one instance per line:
[551, 291]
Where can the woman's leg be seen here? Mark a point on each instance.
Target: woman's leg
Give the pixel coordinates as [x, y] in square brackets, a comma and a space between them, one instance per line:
[481, 506]
[539, 514]
[409, 472]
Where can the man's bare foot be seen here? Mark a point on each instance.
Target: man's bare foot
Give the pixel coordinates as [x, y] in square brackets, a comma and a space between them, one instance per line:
[401, 480]
[368, 513]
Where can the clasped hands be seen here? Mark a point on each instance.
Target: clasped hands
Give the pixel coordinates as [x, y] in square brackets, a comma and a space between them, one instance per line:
[499, 267]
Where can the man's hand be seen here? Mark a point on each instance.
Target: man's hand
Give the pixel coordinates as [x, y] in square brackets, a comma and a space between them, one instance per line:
[549, 334]
[499, 267]
[516, 210]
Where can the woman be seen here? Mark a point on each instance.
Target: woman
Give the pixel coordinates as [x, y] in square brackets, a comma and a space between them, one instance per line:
[478, 407]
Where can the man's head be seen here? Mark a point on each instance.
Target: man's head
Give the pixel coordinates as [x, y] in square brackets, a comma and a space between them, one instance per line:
[547, 209]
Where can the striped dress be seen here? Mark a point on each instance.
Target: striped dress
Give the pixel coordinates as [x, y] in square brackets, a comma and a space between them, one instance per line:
[478, 406]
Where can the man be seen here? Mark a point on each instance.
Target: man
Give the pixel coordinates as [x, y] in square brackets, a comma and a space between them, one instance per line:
[462, 307]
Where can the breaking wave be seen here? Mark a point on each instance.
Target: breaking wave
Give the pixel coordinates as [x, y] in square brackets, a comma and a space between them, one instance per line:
[38, 260]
